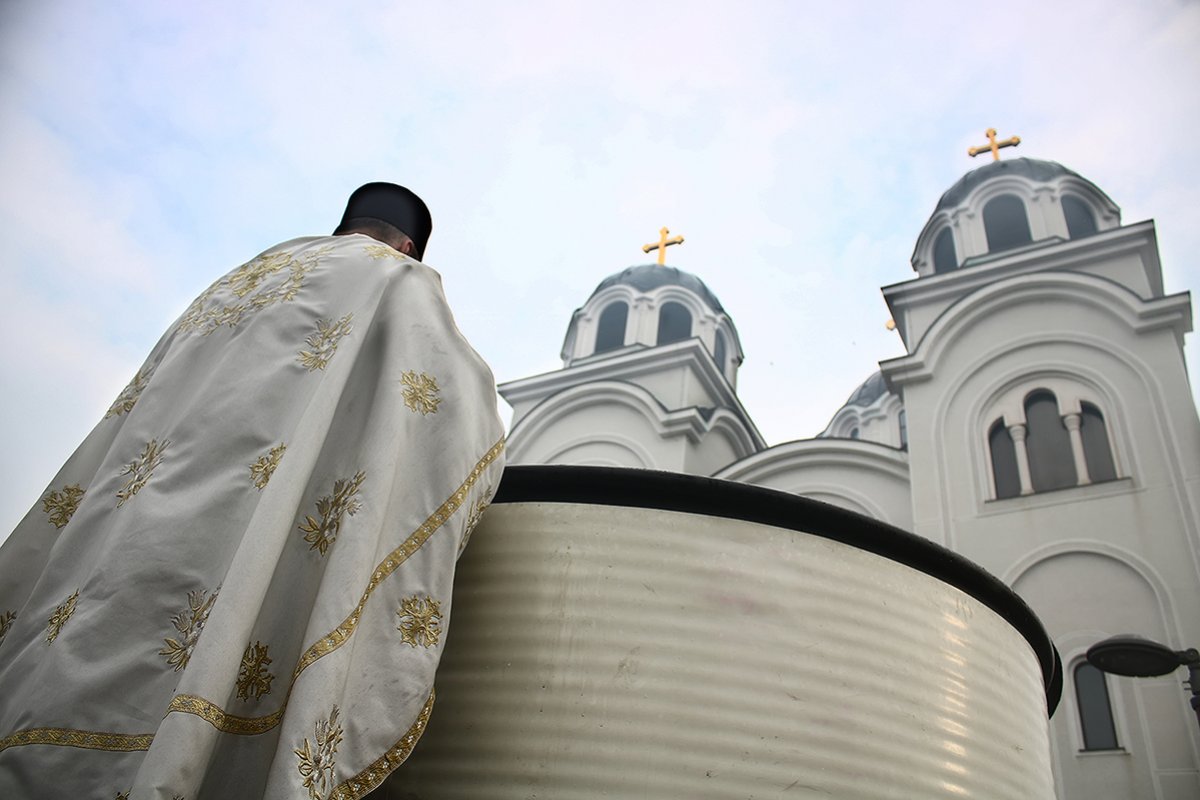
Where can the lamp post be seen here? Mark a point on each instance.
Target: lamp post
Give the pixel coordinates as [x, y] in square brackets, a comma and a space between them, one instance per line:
[1138, 657]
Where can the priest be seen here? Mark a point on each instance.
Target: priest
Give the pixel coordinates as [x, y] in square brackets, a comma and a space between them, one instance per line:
[239, 584]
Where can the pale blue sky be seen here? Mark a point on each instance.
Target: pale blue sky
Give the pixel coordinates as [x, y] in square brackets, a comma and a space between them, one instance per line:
[146, 148]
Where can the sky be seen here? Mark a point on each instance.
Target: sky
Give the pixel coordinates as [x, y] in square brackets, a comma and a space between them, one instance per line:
[799, 147]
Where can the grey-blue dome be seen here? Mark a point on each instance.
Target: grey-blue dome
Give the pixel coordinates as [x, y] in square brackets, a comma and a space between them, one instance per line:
[1031, 168]
[645, 277]
[871, 390]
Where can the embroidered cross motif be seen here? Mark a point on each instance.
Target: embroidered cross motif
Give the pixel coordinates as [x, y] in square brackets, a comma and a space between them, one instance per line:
[317, 763]
[60, 505]
[129, 395]
[60, 616]
[420, 621]
[140, 469]
[254, 678]
[420, 392]
[333, 508]
[473, 516]
[190, 623]
[324, 343]
[262, 470]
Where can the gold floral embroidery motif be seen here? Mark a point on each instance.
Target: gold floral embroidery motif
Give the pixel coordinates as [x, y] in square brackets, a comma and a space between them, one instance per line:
[262, 470]
[140, 469]
[473, 517]
[6, 622]
[333, 508]
[373, 775]
[122, 795]
[420, 621]
[254, 678]
[60, 505]
[420, 392]
[378, 251]
[60, 616]
[190, 623]
[316, 764]
[253, 285]
[129, 395]
[324, 342]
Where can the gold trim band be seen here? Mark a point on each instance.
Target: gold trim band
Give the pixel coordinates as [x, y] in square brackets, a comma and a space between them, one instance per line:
[88, 740]
[251, 726]
[370, 778]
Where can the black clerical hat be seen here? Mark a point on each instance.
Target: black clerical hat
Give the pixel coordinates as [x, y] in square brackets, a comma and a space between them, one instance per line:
[394, 205]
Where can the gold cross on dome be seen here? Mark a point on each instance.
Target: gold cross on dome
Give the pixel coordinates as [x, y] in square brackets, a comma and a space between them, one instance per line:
[662, 245]
[993, 145]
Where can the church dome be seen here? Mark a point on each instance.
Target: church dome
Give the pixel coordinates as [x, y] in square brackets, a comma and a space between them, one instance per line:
[869, 391]
[872, 414]
[1010, 205]
[646, 277]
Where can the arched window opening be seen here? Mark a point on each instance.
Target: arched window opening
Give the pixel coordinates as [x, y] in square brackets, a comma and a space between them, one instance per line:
[1051, 463]
[903, 420]
[1096, 450]
[1004, 461]
[945, 259]
[719, 352]
[1080, 221]
[1095, 710]
[610, 332]
[674, 323]
[1005, 223]
[854, 433]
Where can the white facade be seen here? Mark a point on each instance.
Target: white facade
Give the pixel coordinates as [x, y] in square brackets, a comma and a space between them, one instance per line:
[1093, 517]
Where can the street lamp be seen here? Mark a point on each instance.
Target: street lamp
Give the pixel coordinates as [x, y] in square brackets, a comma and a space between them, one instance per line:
[1138, 657]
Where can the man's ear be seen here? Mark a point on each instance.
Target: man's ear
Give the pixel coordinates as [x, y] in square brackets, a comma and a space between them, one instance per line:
[409, 248]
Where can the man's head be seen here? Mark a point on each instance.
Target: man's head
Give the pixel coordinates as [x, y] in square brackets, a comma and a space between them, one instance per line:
[390, 214]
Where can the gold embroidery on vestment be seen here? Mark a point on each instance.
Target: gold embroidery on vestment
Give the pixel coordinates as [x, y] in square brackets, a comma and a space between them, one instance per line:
[223, 721]
[333, 508]
[262, 470]
[60, 505]
[420, 392]
[474, 517]
[122, 795]
[253, 286]
[60, 616]
[378, 251]
[6, 622]
[250, 726]
[420, 621]
[324, 343]
[254, 678]
[129, 395]
[316, 764]
[86, 740]
[375, 773]
[140, 469]
[190, 623]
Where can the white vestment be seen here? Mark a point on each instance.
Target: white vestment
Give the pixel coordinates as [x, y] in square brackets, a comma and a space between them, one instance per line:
[239, 585]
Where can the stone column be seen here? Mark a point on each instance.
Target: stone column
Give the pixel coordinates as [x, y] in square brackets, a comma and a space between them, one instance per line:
[1072, 422]
[1017, 432]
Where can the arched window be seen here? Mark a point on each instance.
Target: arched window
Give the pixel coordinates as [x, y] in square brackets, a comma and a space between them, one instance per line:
[1004, 461]
[903, 419]
[944, 257]
[1051, 463]
[1095, 711]
[1005, 223]
[719, 352]
[610, 332]
[674, 323]
[1080, 221]
[1096, 450]
[854, 433]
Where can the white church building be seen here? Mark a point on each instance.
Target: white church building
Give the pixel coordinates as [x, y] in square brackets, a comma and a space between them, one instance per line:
[1041, 424]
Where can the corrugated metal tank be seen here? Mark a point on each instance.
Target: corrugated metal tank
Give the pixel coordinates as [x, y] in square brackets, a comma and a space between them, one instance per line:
[634, 634]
